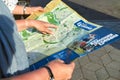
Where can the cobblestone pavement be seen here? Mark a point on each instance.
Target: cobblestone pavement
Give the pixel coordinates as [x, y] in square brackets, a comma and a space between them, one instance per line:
[103, 64]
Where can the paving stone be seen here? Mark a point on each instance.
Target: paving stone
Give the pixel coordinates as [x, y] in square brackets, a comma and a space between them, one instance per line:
[83, 79]
[115, 44]
[89, 75]
[115, 55]
[106, 59]
[115, 51]
[114, 65]
[84, 60]
[112, 79]
[99, 53]
[77, 63]
[102, 74]
[113, 73]
[92, 66]
[95, 59]
[108, 48]
[77, 74]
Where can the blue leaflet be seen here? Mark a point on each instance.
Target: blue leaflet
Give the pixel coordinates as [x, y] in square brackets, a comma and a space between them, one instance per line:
[84, 25]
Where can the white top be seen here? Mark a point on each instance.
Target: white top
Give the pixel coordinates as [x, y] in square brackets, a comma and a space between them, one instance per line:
[11, 4]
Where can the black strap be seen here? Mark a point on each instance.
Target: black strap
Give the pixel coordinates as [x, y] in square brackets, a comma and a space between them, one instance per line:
[50, 72]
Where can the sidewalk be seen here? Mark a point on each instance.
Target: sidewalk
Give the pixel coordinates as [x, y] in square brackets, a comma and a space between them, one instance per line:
[103, 64]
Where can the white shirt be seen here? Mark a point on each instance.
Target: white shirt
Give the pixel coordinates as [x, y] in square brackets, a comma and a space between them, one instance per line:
[11, 4]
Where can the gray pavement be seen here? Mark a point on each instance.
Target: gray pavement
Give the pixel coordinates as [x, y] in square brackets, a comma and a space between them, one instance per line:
[103, 64]
[108, 7]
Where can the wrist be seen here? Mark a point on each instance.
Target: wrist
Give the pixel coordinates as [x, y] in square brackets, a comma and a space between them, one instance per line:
[51, 76]
[26, 24]
[24, 8]
[29, 23]
[28, 10]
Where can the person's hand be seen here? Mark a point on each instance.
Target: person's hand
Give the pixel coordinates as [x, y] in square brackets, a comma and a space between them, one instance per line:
[30, 10]
[60, 70]
[43, 27]
[27, 10]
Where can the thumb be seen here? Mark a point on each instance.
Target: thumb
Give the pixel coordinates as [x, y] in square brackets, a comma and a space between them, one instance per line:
[61, 61]
[41, 9]
[72, 64]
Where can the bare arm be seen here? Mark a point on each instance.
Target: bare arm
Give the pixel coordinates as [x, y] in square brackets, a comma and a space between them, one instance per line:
[28, 10]
[41, 26]
[40, 74]
[60, 71]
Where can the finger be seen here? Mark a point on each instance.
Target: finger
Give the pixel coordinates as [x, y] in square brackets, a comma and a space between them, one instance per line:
[60, 60]
[69, 77]
[52, 26]
[43, 32]
[49, 31]
[72, 64]
[40, 9]
[48, 24]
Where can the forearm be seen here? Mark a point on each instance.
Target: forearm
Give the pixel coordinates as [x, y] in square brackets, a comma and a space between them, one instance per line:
[41, 74]
[21, 10]
[23, 24]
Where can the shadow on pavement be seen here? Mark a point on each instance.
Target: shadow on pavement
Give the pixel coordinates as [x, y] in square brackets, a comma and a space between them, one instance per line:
[88, 13]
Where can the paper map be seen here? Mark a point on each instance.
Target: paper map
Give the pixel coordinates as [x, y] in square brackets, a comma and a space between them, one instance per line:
[74, 37]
